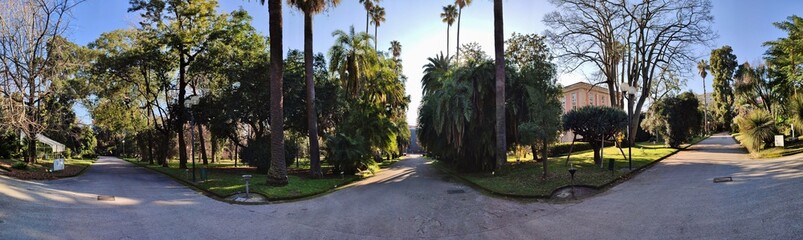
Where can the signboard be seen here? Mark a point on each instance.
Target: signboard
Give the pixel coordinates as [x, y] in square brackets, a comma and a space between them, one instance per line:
[779, 140]
[58, 164]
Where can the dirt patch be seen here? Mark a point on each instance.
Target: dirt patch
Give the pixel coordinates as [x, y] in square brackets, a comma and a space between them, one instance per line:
[569, 193]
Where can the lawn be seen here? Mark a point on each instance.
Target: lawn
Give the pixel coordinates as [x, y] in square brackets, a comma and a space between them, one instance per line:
[524, 178]
[791, 148]
[40, 170]
[224, 179]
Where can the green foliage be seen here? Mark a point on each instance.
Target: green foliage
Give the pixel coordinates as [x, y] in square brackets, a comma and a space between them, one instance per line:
[594, 124]
[676, 119]
[722, 65]
[757, 128]
[796, 110]
[256, 153]
[20, 166]
[9, 145]
[563, 148]
[786, 54]
[349, 154]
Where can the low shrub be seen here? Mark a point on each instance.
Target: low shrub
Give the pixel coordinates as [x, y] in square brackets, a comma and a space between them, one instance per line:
[20, 166]
[563, 148]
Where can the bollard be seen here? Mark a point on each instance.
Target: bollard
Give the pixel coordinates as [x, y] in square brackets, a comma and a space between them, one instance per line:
[247, 179]
[572, 170]
[611, 165]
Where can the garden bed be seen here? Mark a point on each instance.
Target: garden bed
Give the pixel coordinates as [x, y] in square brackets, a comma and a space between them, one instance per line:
[40, 170]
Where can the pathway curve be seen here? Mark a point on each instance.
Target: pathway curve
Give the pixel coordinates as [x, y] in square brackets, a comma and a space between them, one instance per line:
[675, 199]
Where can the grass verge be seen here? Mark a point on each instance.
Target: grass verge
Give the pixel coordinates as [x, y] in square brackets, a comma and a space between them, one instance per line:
[40, 170]
[524, 178]
[225, 180]
[791, 148]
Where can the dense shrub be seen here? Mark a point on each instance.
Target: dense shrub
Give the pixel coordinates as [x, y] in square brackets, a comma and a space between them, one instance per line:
[257, 153]
[595, 123]
[675, 119]
[757, 128]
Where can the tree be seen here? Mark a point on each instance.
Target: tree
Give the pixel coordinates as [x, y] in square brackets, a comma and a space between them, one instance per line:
[377, 18]
[395, 49]
[595, 124]
[723, 64]
[757, 87]
[187, 28]
[660, 35]
[368, 5]
[448, 16]
[757, 129]
[29, 38]
[460, 5]
[585, 31]
[796, 110]
[702, 68]
[786, 53]
[277, 174]
[310, 8]
[499, 56]
[350, 57]
[676, 119]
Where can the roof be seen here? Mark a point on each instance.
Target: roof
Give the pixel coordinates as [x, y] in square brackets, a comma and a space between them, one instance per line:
[56, 146]
[585, 85]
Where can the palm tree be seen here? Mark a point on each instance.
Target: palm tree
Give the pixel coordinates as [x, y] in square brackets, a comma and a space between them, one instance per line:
[368, 4]
[277, 174]
[499, 49]
[350, 56]
[796, 110]
[310, 8]
[433, 72]
[460, 5]
[448, 16]
[757, 127]
[395, 48]
[702, 66]
[377, 18]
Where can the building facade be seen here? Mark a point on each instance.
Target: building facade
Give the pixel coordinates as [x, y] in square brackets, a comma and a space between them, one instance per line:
[579, 95]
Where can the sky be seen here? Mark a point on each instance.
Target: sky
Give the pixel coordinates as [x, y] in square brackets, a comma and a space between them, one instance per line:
[416, 24]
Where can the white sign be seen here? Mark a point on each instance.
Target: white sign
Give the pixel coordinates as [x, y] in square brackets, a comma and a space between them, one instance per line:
[779, 140]
[58, 164]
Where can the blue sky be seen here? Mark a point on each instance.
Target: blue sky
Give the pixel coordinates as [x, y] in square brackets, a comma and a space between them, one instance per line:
[742, 24]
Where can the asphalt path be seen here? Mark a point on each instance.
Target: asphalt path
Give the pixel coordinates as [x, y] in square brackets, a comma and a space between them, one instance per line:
[675, 199]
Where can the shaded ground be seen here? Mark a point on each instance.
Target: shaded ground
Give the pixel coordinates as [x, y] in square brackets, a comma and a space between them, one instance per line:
[675, 199]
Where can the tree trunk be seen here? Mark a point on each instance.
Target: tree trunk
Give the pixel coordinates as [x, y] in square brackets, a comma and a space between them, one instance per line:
[367, 14]
[214, 145]
[447, 40]
[202, 141]
[597, 156]
[459, 15]
[150, 147]
[182, 85]
[376, 38]
[312, 113]
[499, 47]
[277, 174]
[544, 154]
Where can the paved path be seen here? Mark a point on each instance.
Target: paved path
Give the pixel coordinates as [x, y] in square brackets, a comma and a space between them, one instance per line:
[676, 199]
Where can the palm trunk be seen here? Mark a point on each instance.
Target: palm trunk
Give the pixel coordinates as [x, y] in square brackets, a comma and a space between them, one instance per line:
[312, 113]
[214, 145]
[546, 159]
[447, 40]
[367, 14]
[499, 46]
[705, 109]
[277, 174]
[459, 15]
[376, 37]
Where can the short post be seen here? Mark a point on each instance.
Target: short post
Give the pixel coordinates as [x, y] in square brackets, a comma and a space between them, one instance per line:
[186, 173]
[572, 170]
[247, 179]
[611, 163]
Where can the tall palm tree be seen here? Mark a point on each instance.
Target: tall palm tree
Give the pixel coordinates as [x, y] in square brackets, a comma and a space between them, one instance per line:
[433, 71]
[460, 5]
[368, 5]
[277, 174]
[350, 56]
[448, 16]
[499, 49]
[377, 18]
[395, 48]
[702, 66]
[310, 8]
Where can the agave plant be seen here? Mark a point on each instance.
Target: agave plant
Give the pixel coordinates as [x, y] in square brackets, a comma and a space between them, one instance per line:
[757, 128]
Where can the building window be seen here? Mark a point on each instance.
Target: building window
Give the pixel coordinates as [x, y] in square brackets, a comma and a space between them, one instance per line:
[574, 100]
[563, 104]
[591, 99]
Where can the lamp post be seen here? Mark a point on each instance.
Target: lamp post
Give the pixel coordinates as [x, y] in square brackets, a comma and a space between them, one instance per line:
[192, 101]
[628, 92]
[123, 155]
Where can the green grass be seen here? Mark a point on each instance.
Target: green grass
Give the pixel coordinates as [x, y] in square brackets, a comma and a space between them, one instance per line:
[773, 152]
[41, 170]
[524, 178]
[224, 179]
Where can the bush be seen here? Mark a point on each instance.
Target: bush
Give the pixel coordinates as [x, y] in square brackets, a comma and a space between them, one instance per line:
[563, 148]
[89, 155]
[257, 153]
[757, 128]
[348, 154]
[20, 166]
